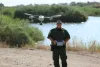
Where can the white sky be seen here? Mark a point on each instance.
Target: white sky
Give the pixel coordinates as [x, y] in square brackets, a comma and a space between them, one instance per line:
[26, 2]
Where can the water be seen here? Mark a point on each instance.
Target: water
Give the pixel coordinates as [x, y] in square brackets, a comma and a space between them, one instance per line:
[85, 32]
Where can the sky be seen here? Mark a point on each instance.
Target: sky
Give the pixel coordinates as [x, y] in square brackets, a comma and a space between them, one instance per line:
[27, 2]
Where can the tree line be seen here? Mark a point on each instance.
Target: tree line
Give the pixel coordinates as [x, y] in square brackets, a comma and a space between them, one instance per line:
[68, 14]
[73, 12]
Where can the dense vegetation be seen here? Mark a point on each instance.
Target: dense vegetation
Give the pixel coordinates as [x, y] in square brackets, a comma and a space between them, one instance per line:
[85, 4]
[89, 8]
[74, 12]
[68, 14]
[17, 32]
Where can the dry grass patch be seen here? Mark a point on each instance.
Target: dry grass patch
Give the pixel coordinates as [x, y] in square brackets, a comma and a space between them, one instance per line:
[44, 47]
[3, 45]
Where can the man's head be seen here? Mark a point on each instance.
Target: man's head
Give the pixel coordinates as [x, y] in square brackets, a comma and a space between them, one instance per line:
[59, 24]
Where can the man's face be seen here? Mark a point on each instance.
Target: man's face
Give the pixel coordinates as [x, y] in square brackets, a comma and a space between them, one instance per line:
[59, 25]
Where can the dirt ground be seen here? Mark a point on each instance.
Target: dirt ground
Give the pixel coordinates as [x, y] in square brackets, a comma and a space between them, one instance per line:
[13, 57]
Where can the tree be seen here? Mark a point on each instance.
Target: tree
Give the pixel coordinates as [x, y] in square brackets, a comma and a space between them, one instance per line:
[73, 3]
[1, 5]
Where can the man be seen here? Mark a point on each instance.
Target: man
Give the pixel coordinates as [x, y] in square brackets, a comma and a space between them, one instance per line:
[59, 37]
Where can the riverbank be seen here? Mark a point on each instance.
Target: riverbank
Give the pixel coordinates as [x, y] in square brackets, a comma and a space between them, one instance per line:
[76, 47]
[12, 57]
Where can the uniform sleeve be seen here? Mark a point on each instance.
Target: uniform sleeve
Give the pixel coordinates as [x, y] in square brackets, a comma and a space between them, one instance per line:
[67, 35]
[49, 35]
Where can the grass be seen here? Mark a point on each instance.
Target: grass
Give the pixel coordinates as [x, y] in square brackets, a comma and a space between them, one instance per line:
[3, 45]
[44, 47]
[80, 46]
[75, 46]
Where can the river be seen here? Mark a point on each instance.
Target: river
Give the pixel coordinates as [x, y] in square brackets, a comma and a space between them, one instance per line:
[84, 32]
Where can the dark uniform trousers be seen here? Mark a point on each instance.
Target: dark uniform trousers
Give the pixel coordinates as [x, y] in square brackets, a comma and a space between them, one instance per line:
[60, 53]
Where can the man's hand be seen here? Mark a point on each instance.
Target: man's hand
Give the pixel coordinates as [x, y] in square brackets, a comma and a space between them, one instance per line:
[64, 42]
[54, 42]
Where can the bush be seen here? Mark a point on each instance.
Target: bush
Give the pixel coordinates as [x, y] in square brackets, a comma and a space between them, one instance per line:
[8, 11]
[72, 16]
[18, 32]
[88, 10]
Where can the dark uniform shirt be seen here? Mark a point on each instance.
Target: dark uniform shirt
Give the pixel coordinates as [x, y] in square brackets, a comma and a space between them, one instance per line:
[58, 34]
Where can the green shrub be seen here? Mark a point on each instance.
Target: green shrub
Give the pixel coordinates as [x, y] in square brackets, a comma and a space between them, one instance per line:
[8, 11]
[88, 10]
[18, 32]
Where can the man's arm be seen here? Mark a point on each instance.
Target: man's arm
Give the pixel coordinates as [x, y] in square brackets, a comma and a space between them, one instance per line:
[67, 39]
[50, 37]
[67, 36]
[52, 40]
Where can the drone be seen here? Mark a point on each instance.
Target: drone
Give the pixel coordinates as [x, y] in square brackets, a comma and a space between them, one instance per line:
[41, 17]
